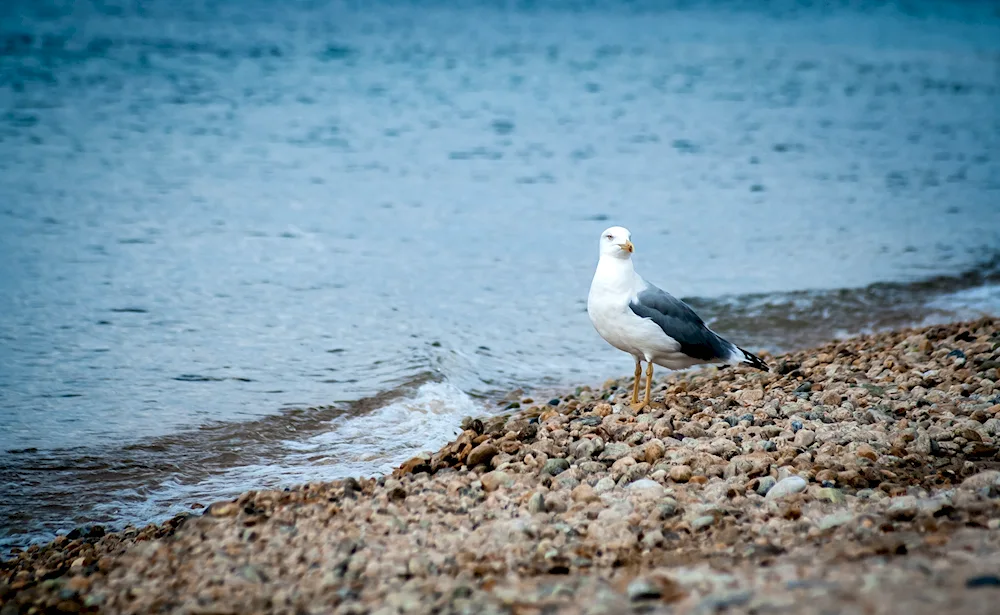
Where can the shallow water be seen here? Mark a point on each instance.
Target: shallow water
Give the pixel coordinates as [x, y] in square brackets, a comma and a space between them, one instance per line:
[214, 217]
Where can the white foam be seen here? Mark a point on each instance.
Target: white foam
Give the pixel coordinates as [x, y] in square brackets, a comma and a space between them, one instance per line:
[969, 303]
[377, 442]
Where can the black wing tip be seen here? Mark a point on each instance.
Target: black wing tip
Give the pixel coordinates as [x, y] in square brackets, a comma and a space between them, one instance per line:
[754, 361]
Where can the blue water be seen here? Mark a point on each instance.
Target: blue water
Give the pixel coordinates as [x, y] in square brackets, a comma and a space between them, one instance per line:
[214, 212]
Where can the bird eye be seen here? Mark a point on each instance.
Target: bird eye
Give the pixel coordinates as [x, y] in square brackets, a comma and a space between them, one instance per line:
[610, 236]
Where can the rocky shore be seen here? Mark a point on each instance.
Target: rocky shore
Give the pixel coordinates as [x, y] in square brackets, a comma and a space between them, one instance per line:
[862, 476]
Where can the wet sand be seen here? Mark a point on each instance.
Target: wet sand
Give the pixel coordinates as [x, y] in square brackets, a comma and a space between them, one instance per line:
[857, 477]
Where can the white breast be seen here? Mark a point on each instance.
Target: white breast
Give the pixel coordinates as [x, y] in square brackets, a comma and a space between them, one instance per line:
[615, 284]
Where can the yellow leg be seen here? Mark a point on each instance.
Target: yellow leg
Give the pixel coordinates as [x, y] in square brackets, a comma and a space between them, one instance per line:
[649, 383]
[635, 387]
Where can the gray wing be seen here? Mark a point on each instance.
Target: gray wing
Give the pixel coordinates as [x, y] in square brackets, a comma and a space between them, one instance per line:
[679, 321]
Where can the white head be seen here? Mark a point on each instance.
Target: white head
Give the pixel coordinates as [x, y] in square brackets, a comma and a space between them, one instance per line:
[616, 242]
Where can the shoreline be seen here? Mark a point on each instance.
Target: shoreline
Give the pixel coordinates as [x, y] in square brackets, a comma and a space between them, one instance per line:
[862, 476]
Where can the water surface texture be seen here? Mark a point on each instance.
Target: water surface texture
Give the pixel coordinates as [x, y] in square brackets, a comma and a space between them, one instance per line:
[253, 243]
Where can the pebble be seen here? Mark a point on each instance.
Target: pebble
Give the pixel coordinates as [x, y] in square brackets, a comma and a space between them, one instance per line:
[585, 493]
[667, 508]
[556, 466]
[494, 480]
[786, 487]
[680, 474]
[647, 488]
[613, 451]
[835, 520]
[986, 478]
[902, 508]
[481, 454]
[643, 589]
[604, 485]
[832, 495]
[805, 438]
[536, 503]
[702, 522]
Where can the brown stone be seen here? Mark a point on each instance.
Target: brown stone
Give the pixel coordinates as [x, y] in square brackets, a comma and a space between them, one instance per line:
[481, 454]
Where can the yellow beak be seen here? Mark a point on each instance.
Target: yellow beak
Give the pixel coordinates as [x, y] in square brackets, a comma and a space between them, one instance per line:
[627, 246]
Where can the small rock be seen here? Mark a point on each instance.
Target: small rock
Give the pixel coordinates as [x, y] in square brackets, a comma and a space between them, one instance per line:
[702, 522]
[653, 539]
[786, 487]
[902, 508]
[481, 454]
[692, 430]
[653, 451]
[566, 481]
[835, 520]
[555, 466]
[805, 438]
[867, 452]
[584, 493]
[680, 474]
[536, 503]
[986, 478]
[615, 451]
[667, 508]
[765, 484]
[796, 426]
[643, 589]
[604, 485]
[832, 495]
[494, 480]
[634, 473]
[222, 509]
[591, 467]
[585, 449]
[646, 488]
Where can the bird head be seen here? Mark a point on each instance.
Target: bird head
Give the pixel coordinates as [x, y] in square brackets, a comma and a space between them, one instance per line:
[617, 242]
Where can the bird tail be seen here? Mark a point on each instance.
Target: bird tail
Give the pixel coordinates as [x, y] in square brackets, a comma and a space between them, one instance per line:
[743, 357]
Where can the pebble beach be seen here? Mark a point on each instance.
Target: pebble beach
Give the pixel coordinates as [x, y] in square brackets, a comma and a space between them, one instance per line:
[861, 476]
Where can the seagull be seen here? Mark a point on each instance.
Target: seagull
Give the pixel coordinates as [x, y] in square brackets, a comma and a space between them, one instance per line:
[648, 323]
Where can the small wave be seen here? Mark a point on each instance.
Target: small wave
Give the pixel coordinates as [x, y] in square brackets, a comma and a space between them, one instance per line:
[114, 485]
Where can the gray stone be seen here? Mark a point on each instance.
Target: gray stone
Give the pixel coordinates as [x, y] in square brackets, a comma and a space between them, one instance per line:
[832, 495]
[604, 485]
[494, 480]
[591, 467]
[653, 539]
[567, 482]
[902, 508]
[786, 487]
[615, 451]
[805, 438]
[667, 508]
[765, 484]
[986, 478]
[835, 520]
[702, 522]
[643, 589]
[646, 488]
[536, 503]
[555, 466]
